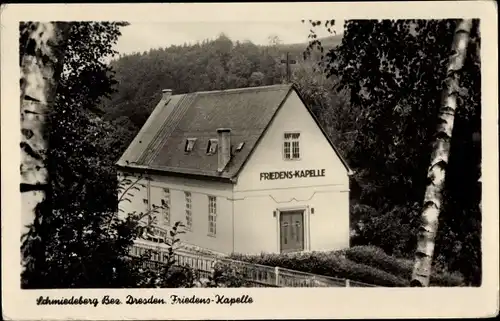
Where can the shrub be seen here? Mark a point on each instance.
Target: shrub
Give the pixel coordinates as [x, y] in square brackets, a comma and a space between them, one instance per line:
[227, 275]
[167, 277]
[178, 277]
[165, 273]
[326, 263]
[377, 258]
[224, 275]
[445, 278]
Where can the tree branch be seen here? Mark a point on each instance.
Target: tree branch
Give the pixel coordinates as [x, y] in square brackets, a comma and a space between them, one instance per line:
[24, 187]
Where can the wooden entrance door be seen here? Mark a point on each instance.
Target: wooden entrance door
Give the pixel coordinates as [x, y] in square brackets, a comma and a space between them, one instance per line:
[292, 231]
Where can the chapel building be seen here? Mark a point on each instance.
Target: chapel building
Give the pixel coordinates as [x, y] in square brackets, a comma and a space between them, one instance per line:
[246, 170]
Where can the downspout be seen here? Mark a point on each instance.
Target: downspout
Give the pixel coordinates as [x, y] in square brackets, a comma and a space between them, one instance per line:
[232, 206]
[148, 193]
[234, 180]
[309, 228]
[350, 174]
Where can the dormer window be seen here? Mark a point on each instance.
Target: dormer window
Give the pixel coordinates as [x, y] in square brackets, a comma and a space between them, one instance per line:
[240, 146]
[212, 147]
[189, 144]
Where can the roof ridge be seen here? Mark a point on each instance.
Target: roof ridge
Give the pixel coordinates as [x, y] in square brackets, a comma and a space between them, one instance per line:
[182, 114]
[244, 89]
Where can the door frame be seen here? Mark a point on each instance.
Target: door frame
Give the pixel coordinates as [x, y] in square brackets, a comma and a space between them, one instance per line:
[305, 225]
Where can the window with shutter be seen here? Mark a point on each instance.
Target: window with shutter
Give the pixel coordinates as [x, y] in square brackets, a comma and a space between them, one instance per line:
[212, 215]
[189, 213]
[166, 206]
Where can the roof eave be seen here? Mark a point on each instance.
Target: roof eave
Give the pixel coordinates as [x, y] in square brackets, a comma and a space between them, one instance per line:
[350, 172]
[171, 172]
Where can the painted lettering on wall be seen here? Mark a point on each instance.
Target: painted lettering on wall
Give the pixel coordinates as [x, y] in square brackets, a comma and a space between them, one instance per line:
[266, 176]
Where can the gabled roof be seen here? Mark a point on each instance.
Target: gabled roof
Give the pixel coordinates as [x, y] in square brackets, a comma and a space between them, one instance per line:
[160, 144]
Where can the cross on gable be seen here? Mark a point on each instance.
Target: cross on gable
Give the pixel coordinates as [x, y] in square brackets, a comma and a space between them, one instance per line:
[288, 62]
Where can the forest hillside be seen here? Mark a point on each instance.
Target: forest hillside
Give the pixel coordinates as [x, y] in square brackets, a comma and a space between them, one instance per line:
[377, 95]
[384, 138]
[209, 65]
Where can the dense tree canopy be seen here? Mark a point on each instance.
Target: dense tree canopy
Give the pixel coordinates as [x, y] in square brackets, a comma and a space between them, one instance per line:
[376, 91]
[71, 246]
[209, 65]
[394, 71]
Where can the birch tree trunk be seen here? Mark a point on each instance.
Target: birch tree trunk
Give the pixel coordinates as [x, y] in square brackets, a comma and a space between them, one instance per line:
[439, 159]
[41, 58]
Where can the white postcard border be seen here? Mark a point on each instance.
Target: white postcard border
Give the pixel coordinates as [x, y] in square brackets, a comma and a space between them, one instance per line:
[267, 303]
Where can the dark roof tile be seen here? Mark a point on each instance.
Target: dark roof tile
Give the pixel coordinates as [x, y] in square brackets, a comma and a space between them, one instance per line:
[160, 143]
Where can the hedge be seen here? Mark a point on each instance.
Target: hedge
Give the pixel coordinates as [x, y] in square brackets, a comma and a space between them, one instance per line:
[328, 264]
[366, 264]
[377, 258]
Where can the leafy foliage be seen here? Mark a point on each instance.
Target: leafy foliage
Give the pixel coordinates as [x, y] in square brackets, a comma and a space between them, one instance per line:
[331, 264]
[209, 65]
[377, 258]
[376, 93]
[76, 241]
[393, 71]
[165, 273]
[332, 108]
[366, 264]
[227, 275]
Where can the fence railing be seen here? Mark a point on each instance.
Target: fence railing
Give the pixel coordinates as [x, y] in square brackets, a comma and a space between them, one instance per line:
[282, 277]
[203, 263]
[256, 274]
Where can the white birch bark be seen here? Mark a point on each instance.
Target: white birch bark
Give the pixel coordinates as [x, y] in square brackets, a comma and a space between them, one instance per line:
[439, 159]
[41, 65]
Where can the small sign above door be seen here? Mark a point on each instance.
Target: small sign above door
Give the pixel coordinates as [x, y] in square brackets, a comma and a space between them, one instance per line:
[265, 176]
